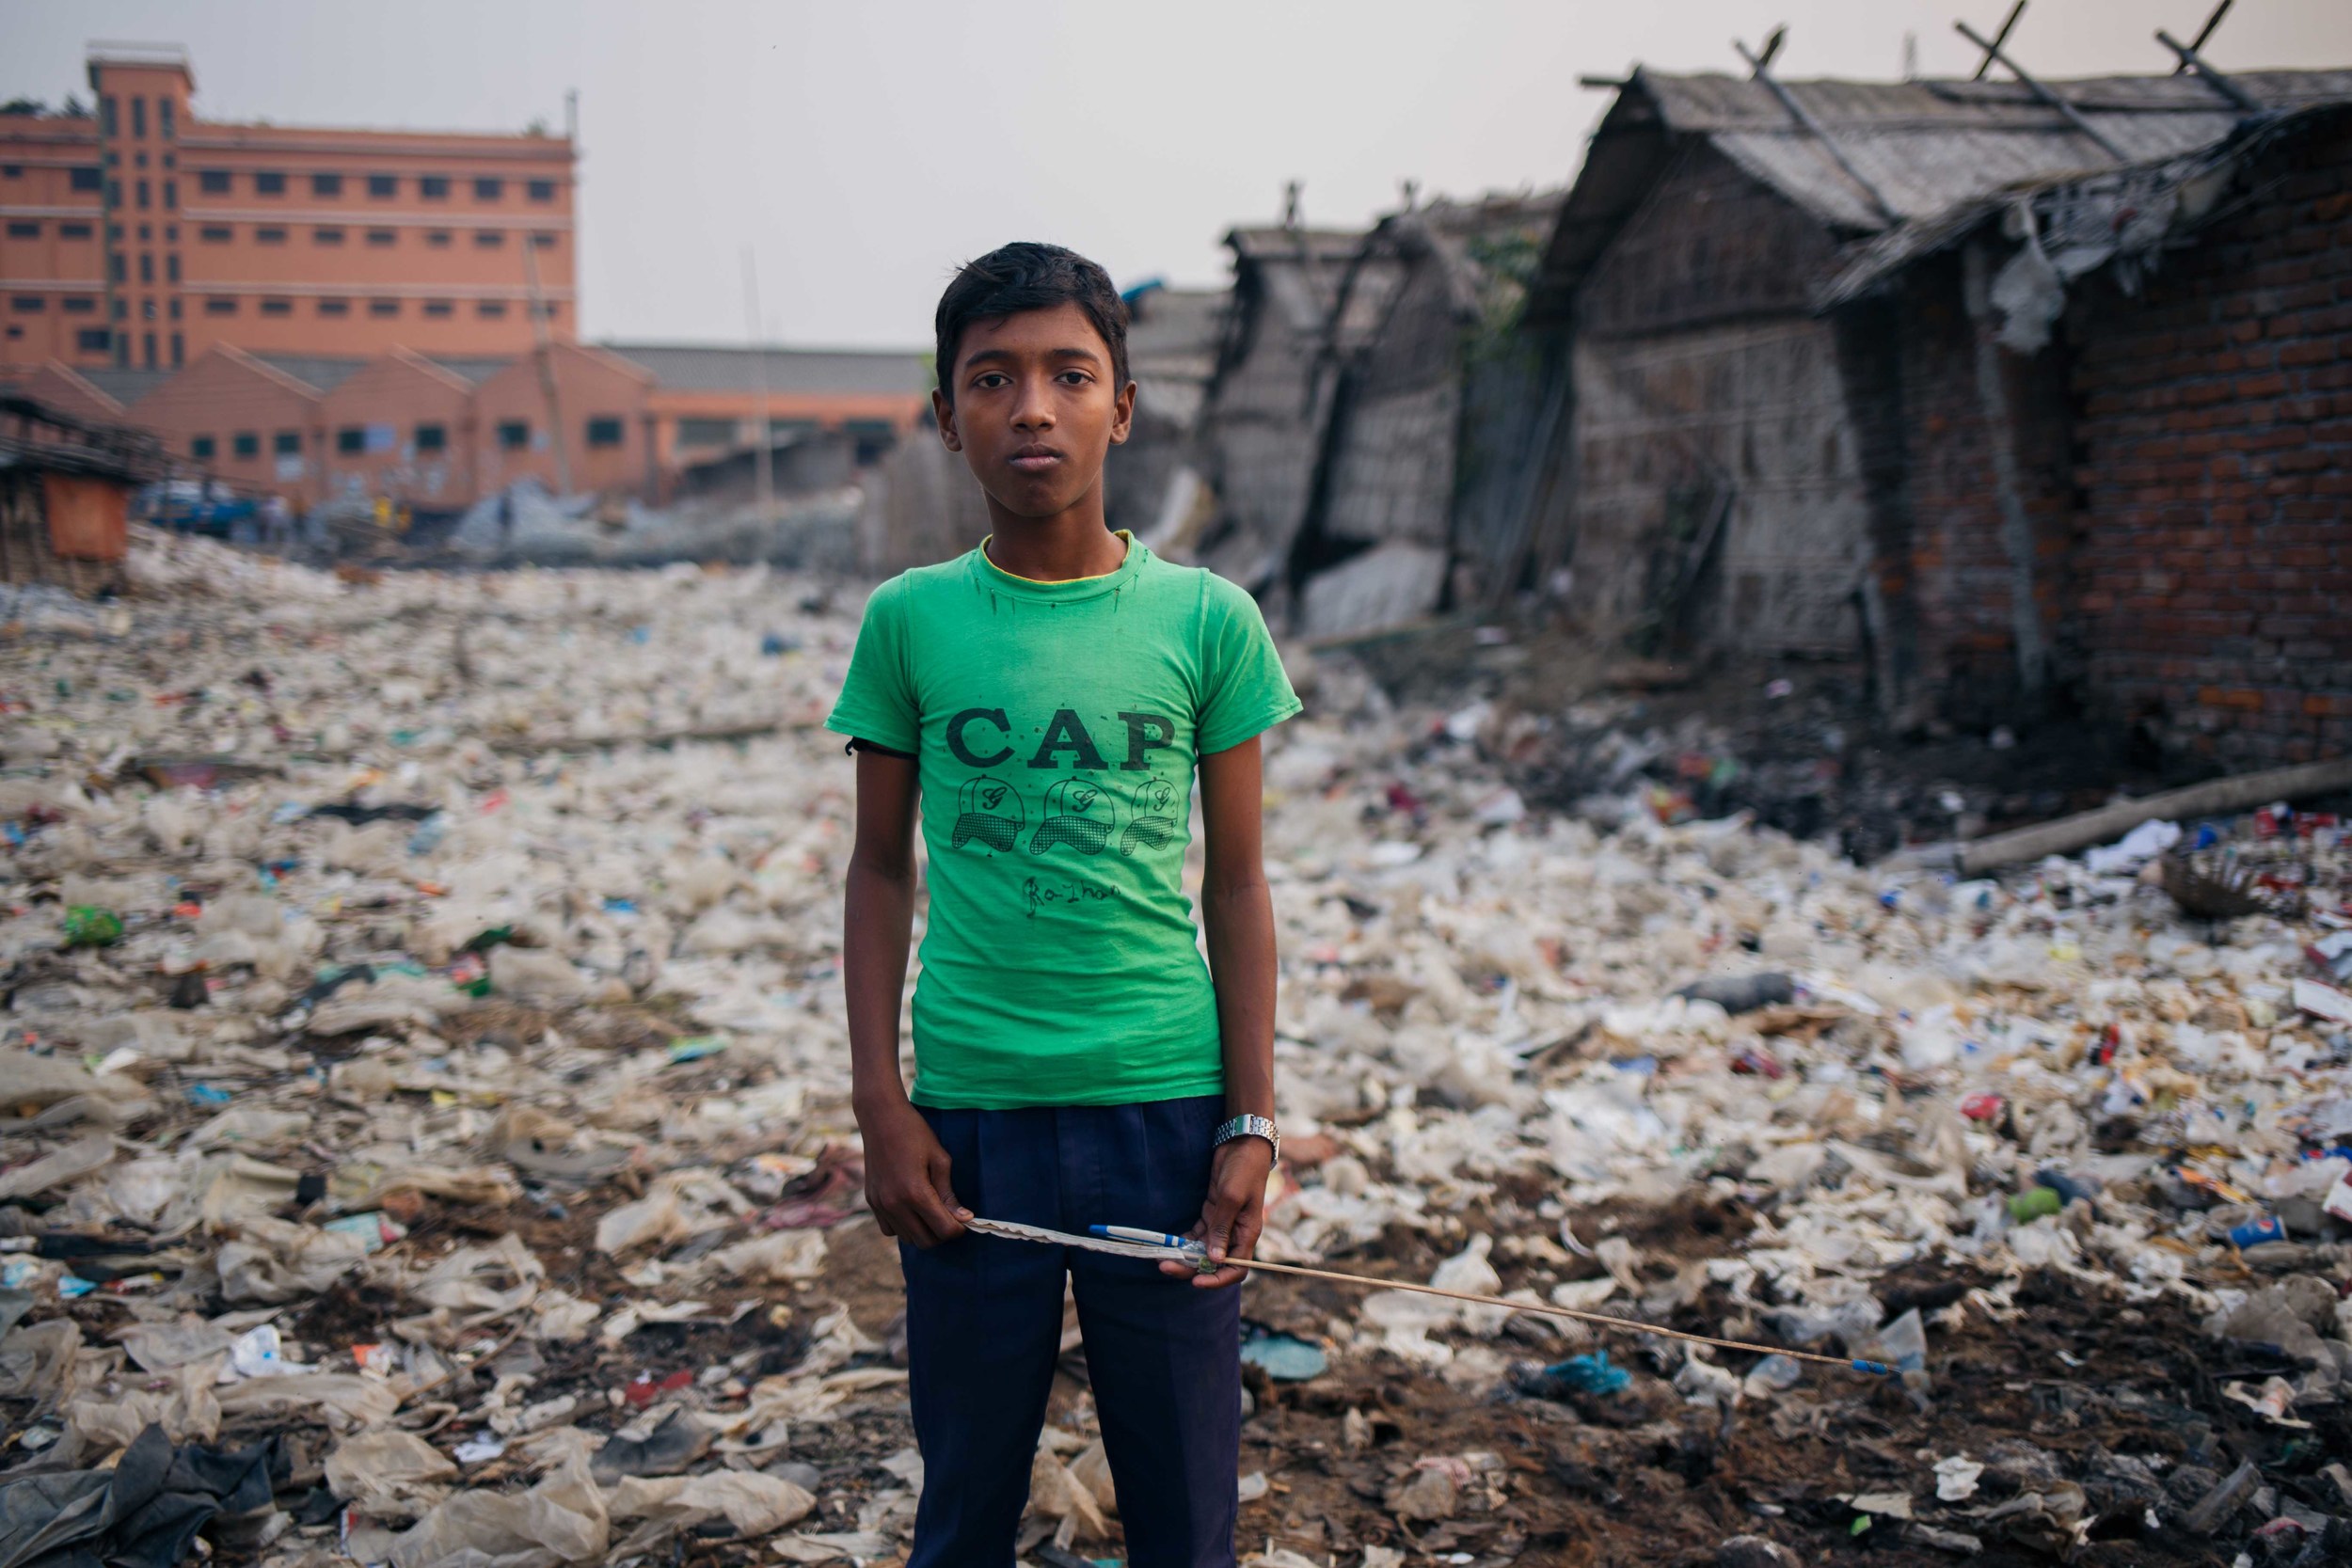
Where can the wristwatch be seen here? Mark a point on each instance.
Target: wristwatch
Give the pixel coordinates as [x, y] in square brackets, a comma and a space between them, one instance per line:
[1250, 1126]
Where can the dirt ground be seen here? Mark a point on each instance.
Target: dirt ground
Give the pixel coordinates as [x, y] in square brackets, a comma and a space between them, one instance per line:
[1633, 1478]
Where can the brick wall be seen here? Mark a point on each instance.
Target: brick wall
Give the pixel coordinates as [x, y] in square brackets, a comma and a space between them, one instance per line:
[2213, 563]
[1947, 626]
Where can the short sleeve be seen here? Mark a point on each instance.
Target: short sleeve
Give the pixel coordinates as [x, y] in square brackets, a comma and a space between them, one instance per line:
[876, 700]
[1245, 691]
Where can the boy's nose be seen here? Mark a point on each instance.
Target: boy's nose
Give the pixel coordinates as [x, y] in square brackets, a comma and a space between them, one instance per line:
[1035, 410]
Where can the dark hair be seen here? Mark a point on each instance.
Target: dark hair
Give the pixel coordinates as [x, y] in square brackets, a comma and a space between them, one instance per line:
[1026, 275]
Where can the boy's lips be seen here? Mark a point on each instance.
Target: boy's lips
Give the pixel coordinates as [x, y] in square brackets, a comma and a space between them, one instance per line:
[1035, 459]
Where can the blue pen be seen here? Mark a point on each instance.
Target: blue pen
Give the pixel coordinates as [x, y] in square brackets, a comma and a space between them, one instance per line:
[1196, 1252]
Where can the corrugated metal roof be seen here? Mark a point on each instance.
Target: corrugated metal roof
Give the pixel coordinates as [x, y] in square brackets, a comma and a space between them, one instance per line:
[126, 387]
[714, 368]
[1928, 147]
[323, 371]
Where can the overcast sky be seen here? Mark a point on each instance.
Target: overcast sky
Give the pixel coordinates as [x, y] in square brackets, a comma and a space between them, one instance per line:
[864, 147]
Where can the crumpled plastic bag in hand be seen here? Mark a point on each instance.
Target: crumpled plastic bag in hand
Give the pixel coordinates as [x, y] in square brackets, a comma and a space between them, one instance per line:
[563, 1519]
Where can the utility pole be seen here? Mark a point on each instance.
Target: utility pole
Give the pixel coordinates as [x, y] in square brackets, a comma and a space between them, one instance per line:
[546, 356]
[763, 461]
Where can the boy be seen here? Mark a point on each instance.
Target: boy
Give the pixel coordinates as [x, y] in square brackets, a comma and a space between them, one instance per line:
[1049, 695]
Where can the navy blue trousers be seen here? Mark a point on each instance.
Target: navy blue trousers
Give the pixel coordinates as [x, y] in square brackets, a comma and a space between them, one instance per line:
[984, 1330]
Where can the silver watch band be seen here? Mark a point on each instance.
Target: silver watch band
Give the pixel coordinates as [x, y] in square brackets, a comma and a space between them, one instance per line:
[1250, 1126]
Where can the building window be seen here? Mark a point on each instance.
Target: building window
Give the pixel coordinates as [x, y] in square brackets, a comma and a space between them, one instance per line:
[215, 234]
[440, 308]
[383, 184]
[178, 345]
[327, 184]
[437, 237]
[28, 305]
[544, 239]
[147, 266]
[286, 443]
[117, 267]
[706, 433]
[11, 171]
[172, 196]
[269, 236]
[542, 190]
[147, 351]
[138, 119]
[269, 183]
[114, 194]
[488, 188]
[326, 236]
[171, 268]
[246, 443]
[78, 304]
[88, 177]
[514, 434]
[144, 193]
[200, 447]
[212, 182]
[122, 310]
[278, 307]
[604, 430]
[432, 438]
[24, 230]
[166, 119]
[73, 231]
[383, 308]
[175, 307]
[106, 114]
[334, 307]
[147, 232]
[433, 187]
[490, 309]
[92, 339]
[352, 440]
[220, 306]
[383, 236]
[147, 309]
[489, 239]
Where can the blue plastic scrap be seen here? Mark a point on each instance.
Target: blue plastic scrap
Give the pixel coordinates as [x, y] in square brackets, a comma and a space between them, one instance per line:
[1590, 1375]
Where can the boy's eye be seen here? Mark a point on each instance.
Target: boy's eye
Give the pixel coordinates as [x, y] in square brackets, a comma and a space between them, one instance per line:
[1075, 378]
[990, 379]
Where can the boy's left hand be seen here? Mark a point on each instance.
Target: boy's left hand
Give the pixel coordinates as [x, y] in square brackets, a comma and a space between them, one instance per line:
[1233, 1215]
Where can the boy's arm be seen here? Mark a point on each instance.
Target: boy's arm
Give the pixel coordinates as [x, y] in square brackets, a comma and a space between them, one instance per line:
[906, 1170]
[1237, 916]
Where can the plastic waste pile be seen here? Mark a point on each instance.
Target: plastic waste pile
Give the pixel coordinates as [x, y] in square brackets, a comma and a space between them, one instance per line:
[426, 1092]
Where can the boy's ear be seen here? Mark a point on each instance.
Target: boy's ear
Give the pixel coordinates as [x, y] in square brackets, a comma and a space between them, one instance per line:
[943, 414]
[1123, 414]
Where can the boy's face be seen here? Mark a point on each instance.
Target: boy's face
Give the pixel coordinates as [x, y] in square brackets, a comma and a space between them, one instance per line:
[1035, 409]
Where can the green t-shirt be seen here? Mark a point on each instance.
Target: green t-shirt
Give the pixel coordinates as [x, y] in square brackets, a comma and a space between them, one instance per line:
[1056, 727]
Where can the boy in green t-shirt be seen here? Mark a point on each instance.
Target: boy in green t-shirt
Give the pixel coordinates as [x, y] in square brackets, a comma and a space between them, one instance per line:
[1048, 698]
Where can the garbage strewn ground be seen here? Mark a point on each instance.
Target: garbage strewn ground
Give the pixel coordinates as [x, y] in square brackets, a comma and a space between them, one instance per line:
[423, 1133]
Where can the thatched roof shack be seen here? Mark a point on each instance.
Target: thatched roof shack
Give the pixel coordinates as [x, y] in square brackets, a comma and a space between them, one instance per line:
[1432, 386]
[1708, 479]
[65, 490]
[1270, 394]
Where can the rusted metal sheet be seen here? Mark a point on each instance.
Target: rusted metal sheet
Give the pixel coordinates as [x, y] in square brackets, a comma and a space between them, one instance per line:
[88, 517]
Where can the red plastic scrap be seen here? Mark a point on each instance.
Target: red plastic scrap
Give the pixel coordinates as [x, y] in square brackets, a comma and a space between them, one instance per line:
[642, 1389]
[1983, 1107]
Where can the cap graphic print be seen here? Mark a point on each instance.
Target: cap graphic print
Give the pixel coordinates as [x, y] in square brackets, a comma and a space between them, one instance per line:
[989, 811]
[1154, 822]
[1077, 812]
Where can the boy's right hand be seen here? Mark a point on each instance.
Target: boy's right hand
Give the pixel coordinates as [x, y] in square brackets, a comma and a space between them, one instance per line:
[906, 1177]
